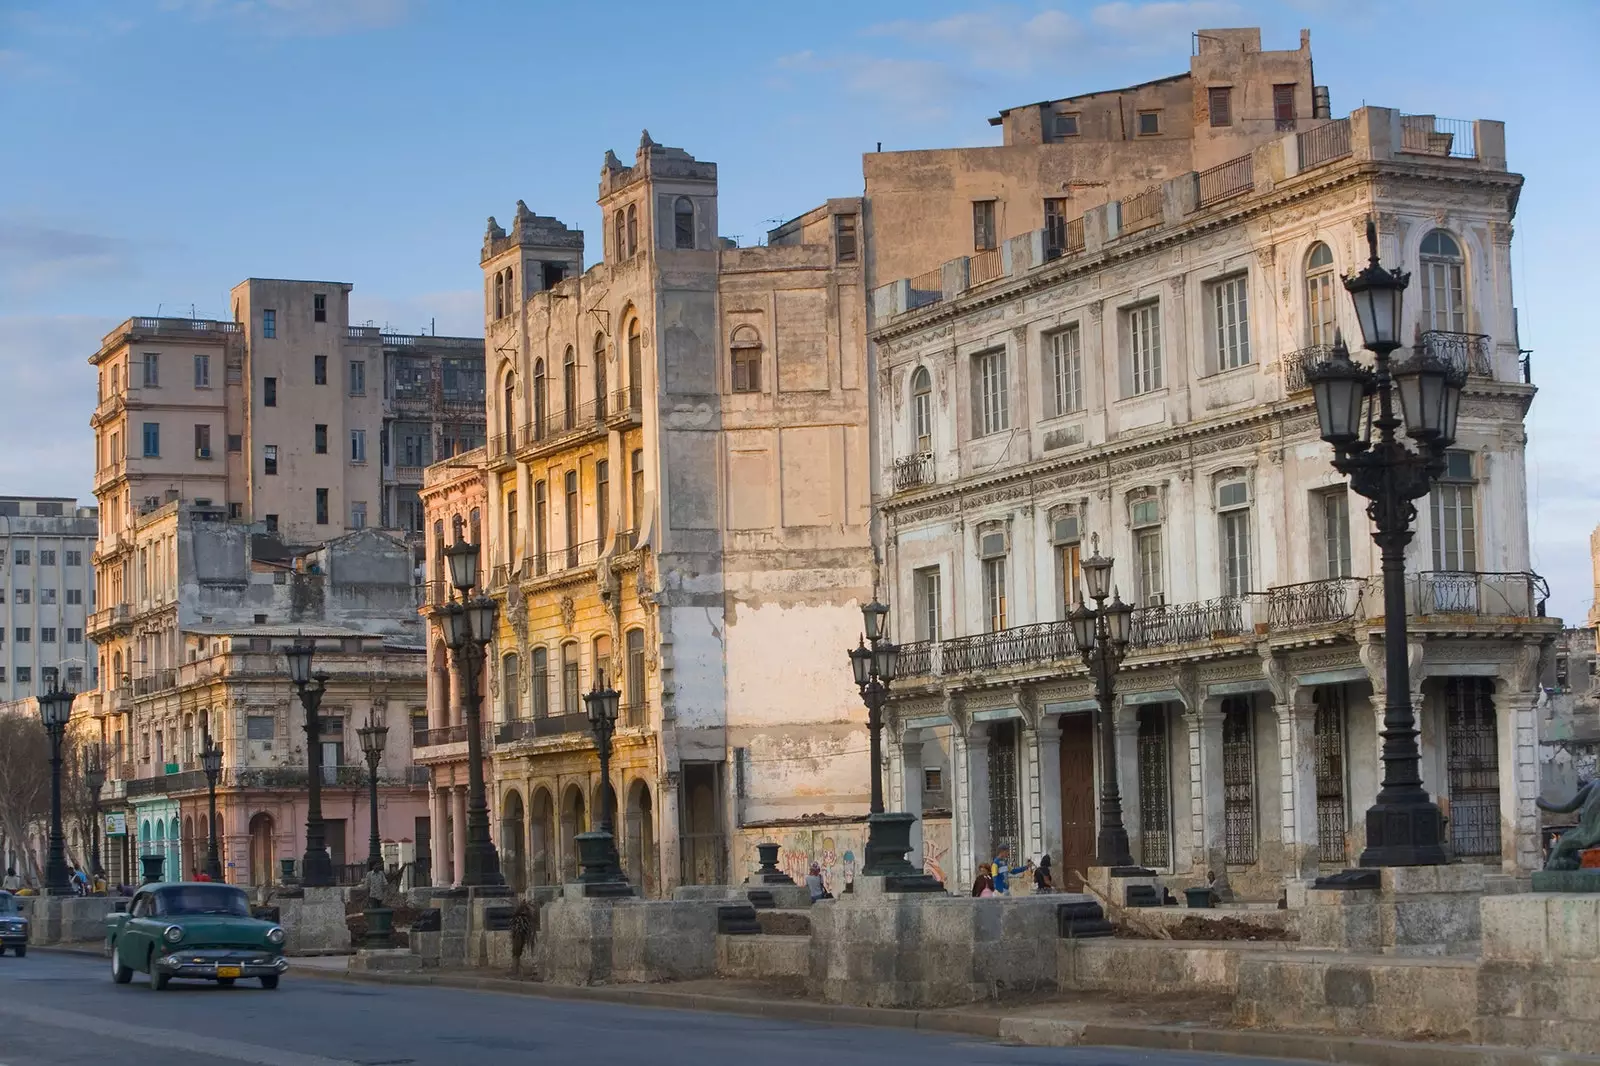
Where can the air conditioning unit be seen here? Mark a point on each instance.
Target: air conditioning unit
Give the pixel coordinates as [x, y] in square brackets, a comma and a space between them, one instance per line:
[202, 453]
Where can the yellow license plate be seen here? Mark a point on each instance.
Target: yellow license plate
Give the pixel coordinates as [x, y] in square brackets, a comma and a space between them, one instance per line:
[228, 971]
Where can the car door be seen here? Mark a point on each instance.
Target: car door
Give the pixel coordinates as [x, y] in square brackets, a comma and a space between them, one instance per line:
[133, 943]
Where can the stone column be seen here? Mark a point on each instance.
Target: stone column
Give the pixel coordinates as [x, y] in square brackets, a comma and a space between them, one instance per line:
[970, 816]
[438, 819]
[458, 830]
[1208, 822]
[1516, 700]
[1125, 736]
[1297, 770]
[909, 785]
[670, 872]
[1044, 755]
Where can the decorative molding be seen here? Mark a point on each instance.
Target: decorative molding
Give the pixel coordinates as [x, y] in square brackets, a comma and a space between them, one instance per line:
[569, 613]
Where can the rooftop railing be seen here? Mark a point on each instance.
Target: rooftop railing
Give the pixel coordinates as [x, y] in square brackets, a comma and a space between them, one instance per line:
[1431, 135]
[1478, 594]
[926, 288]
[1225, 180]
[1327, 142]
[1142, 210]
[985, 267]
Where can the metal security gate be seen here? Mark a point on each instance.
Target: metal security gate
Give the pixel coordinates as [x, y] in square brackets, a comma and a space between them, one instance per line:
[1155, 801]
[1328, 741]
[1004, 807]
[1473, 760]
[1238, 781]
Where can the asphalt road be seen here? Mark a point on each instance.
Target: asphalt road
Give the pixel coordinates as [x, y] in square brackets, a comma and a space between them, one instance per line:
[64, 1009]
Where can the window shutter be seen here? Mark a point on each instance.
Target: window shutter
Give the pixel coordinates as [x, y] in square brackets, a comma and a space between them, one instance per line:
[1125, 358]
[992, 545]
[1066, 529]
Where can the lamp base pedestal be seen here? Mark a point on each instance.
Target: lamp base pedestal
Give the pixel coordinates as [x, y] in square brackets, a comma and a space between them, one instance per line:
[888, 843]
[1407, 832]
[602, 874]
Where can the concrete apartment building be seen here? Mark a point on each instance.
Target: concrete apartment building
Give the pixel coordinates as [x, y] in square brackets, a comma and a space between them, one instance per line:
[46, 594]
[675, 496]
[1102, 328]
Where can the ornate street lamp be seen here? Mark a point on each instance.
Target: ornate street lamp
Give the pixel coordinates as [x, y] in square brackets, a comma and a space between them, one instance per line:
[874, 662]
[602, 872]
[1404, 826]
[1101, 634]
[374, 738]
[55, 708]
[469, 626]
[211, 762]
[94, 779]
[316, 866]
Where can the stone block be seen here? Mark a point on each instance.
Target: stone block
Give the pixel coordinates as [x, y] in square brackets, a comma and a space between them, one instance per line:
[1409, 880]
[1463, 877]
[759, 958]
[315, 921]
[786, 897]
[1572, 927]
[574, 942]
[663, 940]
[1515, 928]
[1430, 925]
[385, 960]
[692, 893]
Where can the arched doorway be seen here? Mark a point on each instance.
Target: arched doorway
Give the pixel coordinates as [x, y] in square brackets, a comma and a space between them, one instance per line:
[262, 849]
[160, 849]
[542, 838]
[176, 856]
[640, 837]
[574, 820]
[188, 838]
[513, 834]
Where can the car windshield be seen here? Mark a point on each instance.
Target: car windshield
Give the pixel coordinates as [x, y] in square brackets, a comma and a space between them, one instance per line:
[205, 899]
[8, 905]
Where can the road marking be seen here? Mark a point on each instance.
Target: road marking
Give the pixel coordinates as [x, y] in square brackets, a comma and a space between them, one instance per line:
[172, 1039]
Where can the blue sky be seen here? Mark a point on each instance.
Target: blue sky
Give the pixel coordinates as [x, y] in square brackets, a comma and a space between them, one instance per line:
[155, 152]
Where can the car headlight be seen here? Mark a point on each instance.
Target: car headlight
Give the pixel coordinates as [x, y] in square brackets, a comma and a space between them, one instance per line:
[276, 935]
[172, 934]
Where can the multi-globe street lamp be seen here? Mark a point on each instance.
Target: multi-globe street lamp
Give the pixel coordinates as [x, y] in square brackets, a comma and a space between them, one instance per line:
[602, 871]
[94, 779]
[374, 738]
[1101, 634]
[469, 626]
[211, 762]
[55, 708]
[1404, 825]
[316, 865]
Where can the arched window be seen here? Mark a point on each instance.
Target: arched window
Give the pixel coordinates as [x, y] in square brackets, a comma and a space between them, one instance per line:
[508, 412]
[633, 676]
[511, 292]
[600, 375]
[1444, 304]
[683, 223]
[438, 560]
[499, 295]
[635, 363]
[569, 387]
[511, 704]
[601, 669]
[922, 410]
[633, 229]
[538, 399]
[1321, 311]
[539, 682]
[618, 223]
[475, 527]
[745, 346]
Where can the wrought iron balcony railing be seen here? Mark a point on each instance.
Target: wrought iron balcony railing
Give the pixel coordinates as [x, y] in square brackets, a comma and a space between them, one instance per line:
[1469, 351]
[1295, 365]
[913, 471]
[1314, 603]
[1478, 594]
[553, 725]
[1165, 625]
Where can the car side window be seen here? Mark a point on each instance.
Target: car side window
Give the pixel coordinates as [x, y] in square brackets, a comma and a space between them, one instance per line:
[157, 907]
[141, 906]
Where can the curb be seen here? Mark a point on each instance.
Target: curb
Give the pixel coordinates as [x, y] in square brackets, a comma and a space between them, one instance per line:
[69, 949]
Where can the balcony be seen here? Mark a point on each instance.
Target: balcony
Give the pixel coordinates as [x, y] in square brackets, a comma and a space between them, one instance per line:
[554, 725]
[1225, 181]
[1436, 594]
[1327, 142]
[1142, 211]
[1452, 138]
[109, 473]
[552, 563]
[634, 715]
[431, 738]
[1296, 363]
[913, 472]
[151, 684]
[985, 267]
[626, 405]
[1465, 351]
[101, 621]
[1310, 604]
[552, 433]
[109, 408]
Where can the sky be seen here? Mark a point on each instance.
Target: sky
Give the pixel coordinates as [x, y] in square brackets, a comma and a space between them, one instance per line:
[155, 152]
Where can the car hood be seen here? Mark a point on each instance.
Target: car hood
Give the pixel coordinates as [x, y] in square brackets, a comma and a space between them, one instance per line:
[221, 931]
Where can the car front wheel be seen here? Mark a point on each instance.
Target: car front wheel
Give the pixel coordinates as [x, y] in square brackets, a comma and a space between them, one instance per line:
[120, 973]
[269, 982]
[21, 950]
[158, 980]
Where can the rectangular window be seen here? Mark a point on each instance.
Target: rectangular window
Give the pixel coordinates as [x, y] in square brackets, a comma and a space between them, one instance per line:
[269, 322]
[358, 445]
[24, 595]
[23, 557]
[260, 727]
[319, 370]
[1141, 348]
[1063, 126]
[1220, 103]
[47, 597]
[994, 592]
[1229, 311]
[636, 490]
[1066, 370]
[932, 779]
[322, 507]
[1055, 227]
[1238, 781]
[1233, 513]
[602, 501]
[272, 523]
[539, 682]
[202, 371]
[1283, 105]
[844, 238]
[929, 607]
[152, 370]
[152, 440]
[24, 635]
[202, 442]
[1146, 515]
[236, 442]
[74, 597]
[1453, 506]
[358, 514]
[319, 439]
[270, 458]
[633, 687]
[511, 525]
[1336, 532]
[319, 307]
[1149, 123]
[47, 557]
[983, 238]
[569, 679]
[1069, 568]
[358, 377]
[541, 523]
[47, 635]
[991, 412]
[24, 675]
[269, 392]
[572, 506]
[74, 557]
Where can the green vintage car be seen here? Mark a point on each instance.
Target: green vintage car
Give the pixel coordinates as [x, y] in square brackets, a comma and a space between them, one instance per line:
[13, 926]
[200, 930]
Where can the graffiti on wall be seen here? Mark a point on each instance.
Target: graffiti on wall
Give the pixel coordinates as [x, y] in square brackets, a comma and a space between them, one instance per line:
[836, 848]
[936, 846]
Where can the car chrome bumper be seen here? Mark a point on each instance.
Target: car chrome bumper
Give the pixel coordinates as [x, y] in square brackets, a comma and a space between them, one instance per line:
[204, 966]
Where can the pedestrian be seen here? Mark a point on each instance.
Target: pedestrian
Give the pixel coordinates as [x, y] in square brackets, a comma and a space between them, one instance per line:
[80, 882]
[1003, 870]
[201, 875]
[815, 885]
[1042, 881]
[983, 884]
[12, 882]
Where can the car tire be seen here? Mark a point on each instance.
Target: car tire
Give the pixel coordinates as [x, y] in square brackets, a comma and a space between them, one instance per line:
[269, 982]
[225, 982]
[158, 980]
[119, 973]
[2, 949]
[21, 950]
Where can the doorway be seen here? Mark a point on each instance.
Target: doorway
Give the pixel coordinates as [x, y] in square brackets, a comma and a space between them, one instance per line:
[1077, 799]
[262, 849]
[1473, 760]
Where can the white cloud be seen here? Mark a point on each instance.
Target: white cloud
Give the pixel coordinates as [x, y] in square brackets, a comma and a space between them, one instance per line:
[999, 40]
[36, 258]
[299, 18]
[1161, 26]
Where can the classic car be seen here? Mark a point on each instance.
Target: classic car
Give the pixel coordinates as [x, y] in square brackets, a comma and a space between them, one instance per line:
[13, 926]
[195, 930]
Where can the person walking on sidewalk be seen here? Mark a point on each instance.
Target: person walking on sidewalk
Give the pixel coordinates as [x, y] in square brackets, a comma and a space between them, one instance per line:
[1003, 870]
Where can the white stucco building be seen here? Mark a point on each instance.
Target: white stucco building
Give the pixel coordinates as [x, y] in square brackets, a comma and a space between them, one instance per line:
[46, 594]
[1134, 369]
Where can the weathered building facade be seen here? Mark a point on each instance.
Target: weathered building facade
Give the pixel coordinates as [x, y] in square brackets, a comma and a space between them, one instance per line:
[46, 594]
[1131, 366]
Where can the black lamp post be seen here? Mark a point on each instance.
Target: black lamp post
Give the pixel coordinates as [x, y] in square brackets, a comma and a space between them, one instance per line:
[94, 779]
[602, 872]
[316, 866]
[211, 762]
[55, 707]
[374, 737]
[469, 626]
[1101, 633]
[1404, 826]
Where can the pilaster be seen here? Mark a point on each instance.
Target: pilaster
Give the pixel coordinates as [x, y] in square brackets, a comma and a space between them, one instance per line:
[1044, 758]
[1125, 738]
[1208, 823]
[1516, 698]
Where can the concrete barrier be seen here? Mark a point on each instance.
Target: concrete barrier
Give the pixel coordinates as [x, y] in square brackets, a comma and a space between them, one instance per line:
[757, 958]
